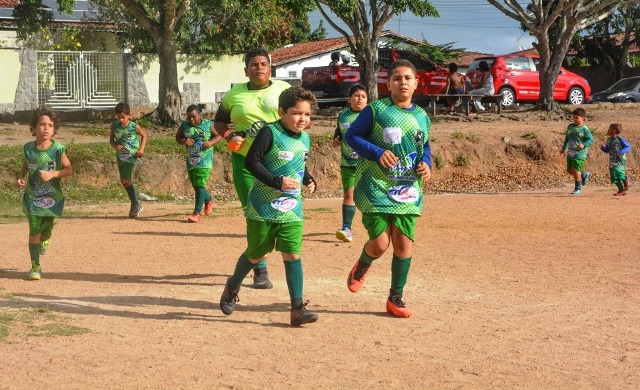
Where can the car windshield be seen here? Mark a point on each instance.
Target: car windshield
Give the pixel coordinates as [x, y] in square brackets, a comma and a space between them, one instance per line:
[475, 65]
[623, 84]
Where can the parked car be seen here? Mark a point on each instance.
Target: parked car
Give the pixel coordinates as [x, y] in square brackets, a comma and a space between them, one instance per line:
[516, 78]
[624, 90]
[331, 83]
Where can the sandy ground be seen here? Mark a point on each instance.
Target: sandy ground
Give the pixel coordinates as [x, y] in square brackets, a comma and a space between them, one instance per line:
[522, 290]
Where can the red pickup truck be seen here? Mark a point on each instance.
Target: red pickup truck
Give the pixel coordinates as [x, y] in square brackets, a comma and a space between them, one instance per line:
[331, 83]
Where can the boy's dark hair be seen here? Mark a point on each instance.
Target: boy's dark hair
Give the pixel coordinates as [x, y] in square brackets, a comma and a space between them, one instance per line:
[356, 88]
[193, 107]
[483, 66]
[35, 118]
[617, 127]
[256, 52]
[122, 108]
[453, 67]
[580, 112]
[291, 96]
[401, 63]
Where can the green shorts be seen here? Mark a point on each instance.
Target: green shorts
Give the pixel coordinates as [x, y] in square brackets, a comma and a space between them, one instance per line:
[126, 170]
[40, 226]
[617, 174]
[574, 163]
[348, 175]
[199, 176]
[263, 236]
[242, 178]
[377, 223]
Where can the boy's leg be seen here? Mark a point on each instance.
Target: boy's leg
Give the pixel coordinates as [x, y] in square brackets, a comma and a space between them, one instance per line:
[378, 228]
[348, 205]
[618, 178]
[574, 167]
[35, 230]
[45, 235]
[402, 234]
[126, 174]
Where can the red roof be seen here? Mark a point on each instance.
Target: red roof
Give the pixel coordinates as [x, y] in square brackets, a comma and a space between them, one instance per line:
[301, 51]
[8, 3]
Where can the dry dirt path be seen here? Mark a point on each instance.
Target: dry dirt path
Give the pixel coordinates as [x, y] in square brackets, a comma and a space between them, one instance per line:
[520, 290]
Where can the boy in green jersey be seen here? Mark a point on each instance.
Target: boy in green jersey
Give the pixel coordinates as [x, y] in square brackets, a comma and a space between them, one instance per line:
[249, 106]
[617, 147]
[277, 159]
[576, 144]
[129, 140]
[358, 99]
[196, 134]
[46, 162]
[391, 136]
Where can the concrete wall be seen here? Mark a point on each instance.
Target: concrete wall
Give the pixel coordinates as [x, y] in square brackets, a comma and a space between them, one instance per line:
[9, 76]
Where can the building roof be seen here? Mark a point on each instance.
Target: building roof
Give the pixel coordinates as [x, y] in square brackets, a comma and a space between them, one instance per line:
[84, 14]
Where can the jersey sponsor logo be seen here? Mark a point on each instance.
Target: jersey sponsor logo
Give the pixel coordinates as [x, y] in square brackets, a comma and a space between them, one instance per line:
[285, 155]
[392, 135]
[284, 204]
[403, 170]
[353, 155]
[403, 194]
[32, 167]
[194, 160]
[44, 203]
[255, 127]
[345, 126]
[125, 156]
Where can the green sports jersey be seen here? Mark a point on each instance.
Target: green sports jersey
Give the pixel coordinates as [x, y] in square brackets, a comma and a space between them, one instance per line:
[196, 156]
[43, 198]
[348, 157]
[396, 190]
[127, 137]
[286, 157]
[616, 160]
[575, 136]
[251, 109]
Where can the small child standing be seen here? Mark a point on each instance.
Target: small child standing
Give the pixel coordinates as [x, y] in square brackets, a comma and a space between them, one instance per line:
[455, 86]
[392, 138]
[129, 140]
[617, 147]
[195, 133]
[358, 100]
[46, 162]
[576, 144]
[277, 159]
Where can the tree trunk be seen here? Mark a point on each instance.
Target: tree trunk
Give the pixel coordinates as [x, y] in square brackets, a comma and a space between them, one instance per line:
[369, 74]
[169, 99]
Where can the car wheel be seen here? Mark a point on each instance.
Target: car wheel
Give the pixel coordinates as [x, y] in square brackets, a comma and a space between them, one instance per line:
[575, 96]
[629, 100]
[508, 96]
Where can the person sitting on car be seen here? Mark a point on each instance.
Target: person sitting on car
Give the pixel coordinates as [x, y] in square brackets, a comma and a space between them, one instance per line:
[486, 86]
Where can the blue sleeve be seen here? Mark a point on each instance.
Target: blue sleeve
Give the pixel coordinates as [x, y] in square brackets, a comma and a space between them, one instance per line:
[626, 147]
[357, 135]
[426, 157]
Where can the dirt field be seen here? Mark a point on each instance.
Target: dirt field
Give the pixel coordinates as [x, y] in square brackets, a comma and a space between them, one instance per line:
[535, 289]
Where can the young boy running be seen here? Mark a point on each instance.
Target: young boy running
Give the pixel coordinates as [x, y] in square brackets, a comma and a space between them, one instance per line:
[576, 144]
[358, 99]
[617, 147]
[392, 138]
[45, 163]
[129, 140]
[274, 207]
[195, 133]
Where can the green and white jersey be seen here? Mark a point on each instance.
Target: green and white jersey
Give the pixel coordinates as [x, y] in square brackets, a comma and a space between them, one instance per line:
[575, 136]
[348, 157]
[196, 156]
[396, 190]
[127, 137]
[252, 109]
[287, 157]
[616, 159]
[43, 198]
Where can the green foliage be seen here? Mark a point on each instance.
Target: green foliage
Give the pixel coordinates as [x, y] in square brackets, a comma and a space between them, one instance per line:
[438, 161]
[55, 39]
[441, 54]
[471, 137]
[29, 321]
[462, 159]
[530, 135]
[457, 135]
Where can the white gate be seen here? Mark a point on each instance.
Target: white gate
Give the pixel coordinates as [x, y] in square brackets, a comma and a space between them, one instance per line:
[68, 80]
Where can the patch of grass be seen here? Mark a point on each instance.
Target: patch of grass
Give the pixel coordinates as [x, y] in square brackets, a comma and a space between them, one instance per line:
[462, 159]
[472, 137]
[438, 160]
[433, 139]
[56, 329]
[92, 131]
[146, 123]
[36, 321]
[321, 210]
[457, 135]
[530, 135]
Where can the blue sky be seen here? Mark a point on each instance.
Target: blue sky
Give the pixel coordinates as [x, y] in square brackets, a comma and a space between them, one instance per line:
[474, 25]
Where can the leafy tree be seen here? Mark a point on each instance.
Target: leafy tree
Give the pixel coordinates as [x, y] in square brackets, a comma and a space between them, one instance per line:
[440, 54]
[366, 20]
[319, 33]
[166, 27]
[554, 24]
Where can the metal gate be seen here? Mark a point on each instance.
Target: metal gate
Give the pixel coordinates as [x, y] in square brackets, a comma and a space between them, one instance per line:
[69, 80]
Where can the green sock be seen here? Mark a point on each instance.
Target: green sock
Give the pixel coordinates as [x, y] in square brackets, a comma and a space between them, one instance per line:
[243, 267]
[620, 185]
[201, 197]
[578, 185]
[399, 272]
[293, 273]
[366, 258]
[34, 253]
[262, 264]
[348, 212]
[131, 192]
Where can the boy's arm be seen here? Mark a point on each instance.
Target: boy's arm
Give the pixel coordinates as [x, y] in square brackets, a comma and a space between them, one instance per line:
[255, 157]
[112, 138]
[588, 138]
[565, 144]
[426, 156]
[215, 138]
[66, 170]
[180, 138]
[357, 135]
[309, 181]
[23, 172]
[626, 147]
[143, 140]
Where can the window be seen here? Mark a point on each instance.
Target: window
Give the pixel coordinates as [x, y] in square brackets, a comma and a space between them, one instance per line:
[293, 73]
[518, 63]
